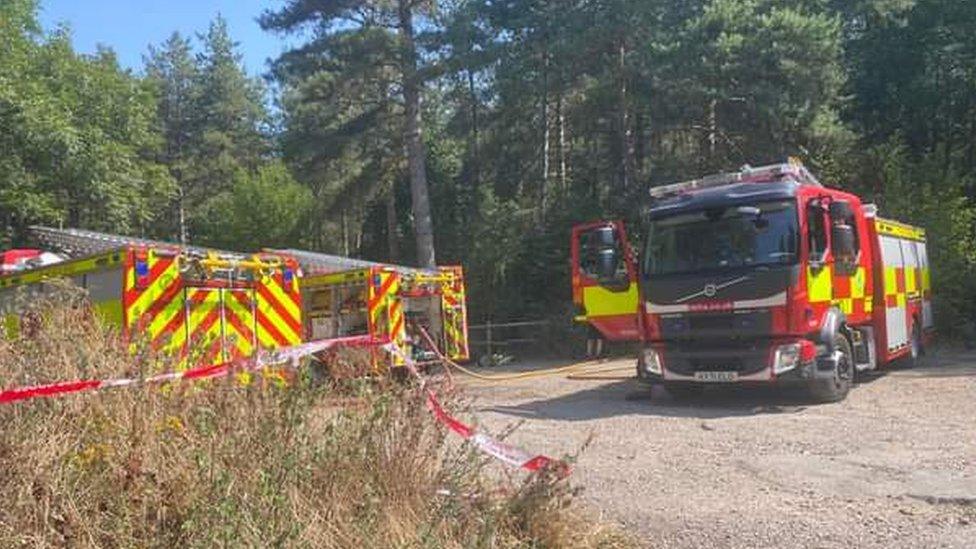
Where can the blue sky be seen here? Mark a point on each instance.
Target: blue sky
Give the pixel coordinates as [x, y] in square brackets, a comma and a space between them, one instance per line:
[129, 26]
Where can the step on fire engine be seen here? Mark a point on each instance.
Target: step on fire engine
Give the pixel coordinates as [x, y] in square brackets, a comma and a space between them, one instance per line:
[761, 275]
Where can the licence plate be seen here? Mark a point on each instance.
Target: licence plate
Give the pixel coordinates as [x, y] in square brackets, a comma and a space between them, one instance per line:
[720, 377]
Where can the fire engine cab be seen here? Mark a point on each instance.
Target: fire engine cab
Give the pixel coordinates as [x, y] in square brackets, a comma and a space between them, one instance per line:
[765, 275]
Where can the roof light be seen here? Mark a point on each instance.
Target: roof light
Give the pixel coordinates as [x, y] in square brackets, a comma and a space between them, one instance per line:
[775, 172]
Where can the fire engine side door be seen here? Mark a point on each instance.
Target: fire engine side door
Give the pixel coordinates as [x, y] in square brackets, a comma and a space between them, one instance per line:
[604, 277]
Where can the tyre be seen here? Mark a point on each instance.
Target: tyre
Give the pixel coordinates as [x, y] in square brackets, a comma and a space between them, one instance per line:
[836, 387]
[684, 391]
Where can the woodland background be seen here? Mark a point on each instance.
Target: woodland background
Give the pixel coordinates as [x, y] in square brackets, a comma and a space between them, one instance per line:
[517, 118]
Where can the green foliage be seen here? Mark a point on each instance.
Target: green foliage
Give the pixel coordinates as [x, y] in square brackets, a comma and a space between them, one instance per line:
[923, 193]
[537, 114]
[263, 209]
[214, 123]
[77, 143]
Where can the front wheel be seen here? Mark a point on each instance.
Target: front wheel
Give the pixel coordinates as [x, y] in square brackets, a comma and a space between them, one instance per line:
[835, 387]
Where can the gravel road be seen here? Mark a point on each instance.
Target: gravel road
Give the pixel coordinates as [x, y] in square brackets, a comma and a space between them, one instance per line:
[894, 465]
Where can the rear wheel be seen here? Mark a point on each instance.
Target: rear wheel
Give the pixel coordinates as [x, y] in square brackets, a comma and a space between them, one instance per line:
[684, 391]
[835, 387]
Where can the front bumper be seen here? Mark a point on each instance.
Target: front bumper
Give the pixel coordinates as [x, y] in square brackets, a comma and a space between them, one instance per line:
[755, 362]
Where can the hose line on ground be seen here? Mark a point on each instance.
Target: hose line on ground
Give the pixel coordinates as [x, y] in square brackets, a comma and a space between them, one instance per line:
[572, 370]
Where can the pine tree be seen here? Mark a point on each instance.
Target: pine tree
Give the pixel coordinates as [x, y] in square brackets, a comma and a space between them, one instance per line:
[347, 66]
[171, 68]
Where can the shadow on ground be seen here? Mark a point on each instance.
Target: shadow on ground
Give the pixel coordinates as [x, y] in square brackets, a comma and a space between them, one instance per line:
[628, 397]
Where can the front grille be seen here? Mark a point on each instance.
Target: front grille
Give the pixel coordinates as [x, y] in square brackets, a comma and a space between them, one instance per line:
[701, 322]
[744, 358]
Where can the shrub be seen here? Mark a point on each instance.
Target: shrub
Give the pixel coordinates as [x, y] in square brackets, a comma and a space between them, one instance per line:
[218, 463]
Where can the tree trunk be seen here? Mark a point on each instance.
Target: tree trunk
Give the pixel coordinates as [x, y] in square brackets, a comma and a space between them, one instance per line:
[475, 131]
[391, 226]
[345, 233]
[623, 115]
[562, 143]
[181, 208]
[422, 221]
[544, 188]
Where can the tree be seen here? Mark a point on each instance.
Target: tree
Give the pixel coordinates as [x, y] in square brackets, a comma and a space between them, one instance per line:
[214, 122]
[265, 210]
[172, 70]
[363, 49]
[77, 144]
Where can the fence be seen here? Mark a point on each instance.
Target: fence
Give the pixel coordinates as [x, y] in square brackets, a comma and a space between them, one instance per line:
[491, 337]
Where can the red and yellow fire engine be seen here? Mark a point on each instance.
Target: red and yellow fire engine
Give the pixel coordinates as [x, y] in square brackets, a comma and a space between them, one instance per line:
[761, 275]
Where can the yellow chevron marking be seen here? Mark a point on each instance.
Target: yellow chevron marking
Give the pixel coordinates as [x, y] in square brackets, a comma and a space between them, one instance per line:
[274, 317]
[175, 307]
[155, 290]
[243, 314]
[283, 298]
[199, 311]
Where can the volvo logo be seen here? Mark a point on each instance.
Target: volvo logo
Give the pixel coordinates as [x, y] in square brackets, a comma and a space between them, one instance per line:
[711, 289]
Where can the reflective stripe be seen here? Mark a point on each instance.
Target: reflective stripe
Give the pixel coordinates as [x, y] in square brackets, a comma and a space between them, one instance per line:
[599, 301]
[239, 335]
[859, 283]
[819, 284]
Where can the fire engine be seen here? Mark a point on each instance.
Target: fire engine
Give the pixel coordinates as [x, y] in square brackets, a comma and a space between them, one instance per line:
[206, 305]
[764, 275]
[181, 298]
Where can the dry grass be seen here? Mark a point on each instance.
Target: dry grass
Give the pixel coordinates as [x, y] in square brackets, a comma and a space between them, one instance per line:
[221, 464]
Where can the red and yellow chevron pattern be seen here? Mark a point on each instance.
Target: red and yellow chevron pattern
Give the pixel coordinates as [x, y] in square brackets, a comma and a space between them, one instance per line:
[385, 310]
[210, 320]
[455, 314]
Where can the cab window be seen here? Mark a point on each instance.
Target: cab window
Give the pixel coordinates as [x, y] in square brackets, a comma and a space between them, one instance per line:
[818, 231]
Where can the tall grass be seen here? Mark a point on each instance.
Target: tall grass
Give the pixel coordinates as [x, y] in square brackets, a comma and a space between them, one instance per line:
[222, 464]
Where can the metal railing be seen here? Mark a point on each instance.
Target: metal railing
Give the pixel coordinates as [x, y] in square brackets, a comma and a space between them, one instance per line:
[496, 335]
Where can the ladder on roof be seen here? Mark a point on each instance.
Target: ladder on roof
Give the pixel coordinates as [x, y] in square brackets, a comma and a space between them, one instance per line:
[80, 242]
[316, 262]
[793, 169]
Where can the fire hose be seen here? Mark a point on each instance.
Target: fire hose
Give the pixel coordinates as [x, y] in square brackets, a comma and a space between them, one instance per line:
[573, 371]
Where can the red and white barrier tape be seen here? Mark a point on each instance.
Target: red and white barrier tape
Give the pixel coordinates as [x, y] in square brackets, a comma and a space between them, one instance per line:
[288, 355]
[487, 444]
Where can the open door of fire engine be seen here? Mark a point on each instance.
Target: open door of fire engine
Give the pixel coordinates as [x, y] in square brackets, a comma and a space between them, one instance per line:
[605, 285]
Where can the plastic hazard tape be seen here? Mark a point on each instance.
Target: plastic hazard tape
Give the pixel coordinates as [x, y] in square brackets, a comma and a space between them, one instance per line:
[291, 356]
[288, 355]
[487, 444]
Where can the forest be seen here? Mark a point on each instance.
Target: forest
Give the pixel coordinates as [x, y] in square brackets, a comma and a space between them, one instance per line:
[477, 132]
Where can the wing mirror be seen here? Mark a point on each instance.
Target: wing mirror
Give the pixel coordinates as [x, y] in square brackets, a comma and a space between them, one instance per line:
[842, 237]
[608, 263]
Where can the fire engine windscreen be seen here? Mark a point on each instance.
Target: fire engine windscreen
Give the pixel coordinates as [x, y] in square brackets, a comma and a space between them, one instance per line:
[726, 237]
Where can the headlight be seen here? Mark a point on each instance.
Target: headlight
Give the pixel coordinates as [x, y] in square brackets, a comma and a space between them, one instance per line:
[791, 355]
[651, 361]
[786, 358]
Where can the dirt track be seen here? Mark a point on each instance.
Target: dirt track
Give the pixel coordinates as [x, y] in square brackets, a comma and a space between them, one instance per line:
[892, 466]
